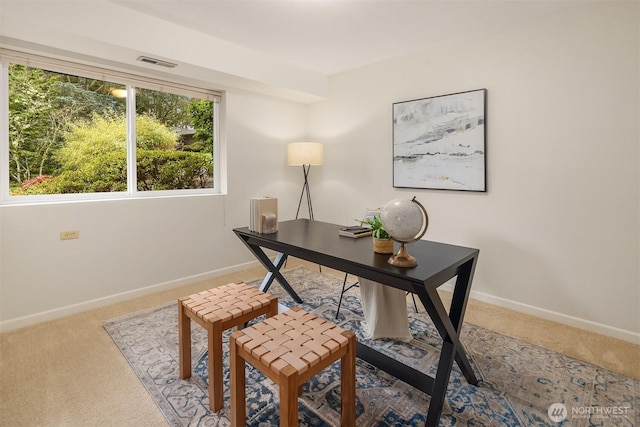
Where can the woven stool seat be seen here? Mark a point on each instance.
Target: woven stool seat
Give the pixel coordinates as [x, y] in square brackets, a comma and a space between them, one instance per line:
[290, 349]
[216, 310]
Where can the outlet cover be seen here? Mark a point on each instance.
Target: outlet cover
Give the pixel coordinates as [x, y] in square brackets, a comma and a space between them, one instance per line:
[70, 235]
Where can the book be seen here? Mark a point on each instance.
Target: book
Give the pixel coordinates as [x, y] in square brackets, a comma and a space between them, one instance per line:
[263, 216]
[355, 231]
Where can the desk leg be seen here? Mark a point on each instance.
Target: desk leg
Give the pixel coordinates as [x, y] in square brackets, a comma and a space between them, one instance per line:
[281, 259]
[440, 384]
[456, 314]
[274, 271]
[448, 326]
[434, 307]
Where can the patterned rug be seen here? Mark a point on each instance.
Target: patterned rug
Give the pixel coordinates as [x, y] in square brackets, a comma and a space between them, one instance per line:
[520, 384]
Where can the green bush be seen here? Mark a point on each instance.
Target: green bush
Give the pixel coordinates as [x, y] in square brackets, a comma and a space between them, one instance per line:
[157, 170]
[105, 173]
[173, 170]
[153, 135]
[94, 158]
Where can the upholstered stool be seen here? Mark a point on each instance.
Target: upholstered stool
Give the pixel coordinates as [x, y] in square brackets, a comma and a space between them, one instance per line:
[216, 310]
[290, 349]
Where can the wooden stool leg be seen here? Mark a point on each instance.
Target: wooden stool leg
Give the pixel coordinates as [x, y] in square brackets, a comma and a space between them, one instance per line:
[348, 385]
[184, 342]
[238, 392]
[216, 398]
[288, 386]
[273, 307]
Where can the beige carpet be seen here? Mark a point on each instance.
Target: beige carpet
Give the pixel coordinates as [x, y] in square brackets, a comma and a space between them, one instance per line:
[68, 372]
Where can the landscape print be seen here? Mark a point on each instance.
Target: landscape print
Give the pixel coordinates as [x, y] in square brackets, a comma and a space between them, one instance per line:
[439, 142]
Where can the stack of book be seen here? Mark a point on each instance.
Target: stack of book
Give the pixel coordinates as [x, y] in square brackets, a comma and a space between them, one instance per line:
[355, 231]
[263, 214]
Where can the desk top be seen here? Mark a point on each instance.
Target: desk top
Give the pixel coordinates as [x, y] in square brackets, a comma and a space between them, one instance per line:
[319, 242]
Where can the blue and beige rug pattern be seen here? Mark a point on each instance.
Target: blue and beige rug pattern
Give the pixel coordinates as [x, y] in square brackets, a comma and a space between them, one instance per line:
[519, 382]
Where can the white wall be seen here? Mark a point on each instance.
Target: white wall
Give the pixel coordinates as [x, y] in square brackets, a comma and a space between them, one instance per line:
[131, 247]
[558, 229]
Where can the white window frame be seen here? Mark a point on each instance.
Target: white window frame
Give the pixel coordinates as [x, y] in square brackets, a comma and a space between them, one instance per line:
[131, 81]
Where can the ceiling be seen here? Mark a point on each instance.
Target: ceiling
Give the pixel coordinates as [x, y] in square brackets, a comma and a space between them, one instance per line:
[285, 48]
[331, 36]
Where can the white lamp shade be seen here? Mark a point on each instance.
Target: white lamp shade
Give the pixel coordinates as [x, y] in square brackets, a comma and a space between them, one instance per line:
[304, 153]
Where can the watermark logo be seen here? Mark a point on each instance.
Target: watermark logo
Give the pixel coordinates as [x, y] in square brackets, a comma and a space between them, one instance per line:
[557, 412]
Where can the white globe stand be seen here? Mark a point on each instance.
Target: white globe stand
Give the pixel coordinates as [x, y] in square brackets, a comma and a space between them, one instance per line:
[402, 258]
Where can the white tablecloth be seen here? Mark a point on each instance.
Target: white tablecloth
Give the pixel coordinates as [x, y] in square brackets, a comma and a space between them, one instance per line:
[385, 311]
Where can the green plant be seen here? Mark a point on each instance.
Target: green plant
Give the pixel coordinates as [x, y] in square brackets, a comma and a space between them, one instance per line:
[377, 228]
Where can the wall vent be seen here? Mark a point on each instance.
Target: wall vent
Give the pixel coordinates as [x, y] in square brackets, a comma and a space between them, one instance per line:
[155, 61]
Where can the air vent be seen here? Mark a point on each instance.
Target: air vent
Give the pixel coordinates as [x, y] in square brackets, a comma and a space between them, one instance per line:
[155, 61]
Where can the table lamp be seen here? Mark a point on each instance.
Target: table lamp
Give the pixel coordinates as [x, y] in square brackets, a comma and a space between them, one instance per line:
[305, 154]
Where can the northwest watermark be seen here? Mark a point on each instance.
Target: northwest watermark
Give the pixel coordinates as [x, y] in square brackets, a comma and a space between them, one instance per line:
[558, 412]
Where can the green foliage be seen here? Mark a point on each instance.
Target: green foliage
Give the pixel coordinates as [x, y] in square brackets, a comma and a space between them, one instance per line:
[88, 141]
[201, 112]
[376, 225]
[104, 173]
[42, 104]
[94, 159]
[67, 134]
[151, 134]
[37, 185]
[167, 108]
[106, 134]
[33, 122]
[79, 98]
[173, 170]
[198, 147]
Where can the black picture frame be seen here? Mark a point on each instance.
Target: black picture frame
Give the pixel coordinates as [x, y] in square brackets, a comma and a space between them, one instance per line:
[440, 142]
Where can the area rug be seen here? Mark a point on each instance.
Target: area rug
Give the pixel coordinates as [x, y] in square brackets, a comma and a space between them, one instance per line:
[520, 384]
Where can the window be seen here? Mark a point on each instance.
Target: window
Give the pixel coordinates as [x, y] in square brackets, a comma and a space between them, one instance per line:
[71, 131]
[179, 160]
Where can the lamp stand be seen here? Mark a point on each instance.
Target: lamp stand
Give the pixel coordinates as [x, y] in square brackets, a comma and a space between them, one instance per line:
[305, 187]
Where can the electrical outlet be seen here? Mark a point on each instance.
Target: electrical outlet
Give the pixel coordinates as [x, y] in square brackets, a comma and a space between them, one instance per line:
[70, 235]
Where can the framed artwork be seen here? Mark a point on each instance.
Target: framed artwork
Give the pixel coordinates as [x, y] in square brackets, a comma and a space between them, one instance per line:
[440, 142]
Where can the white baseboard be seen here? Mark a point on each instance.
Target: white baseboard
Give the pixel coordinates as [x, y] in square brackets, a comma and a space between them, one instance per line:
[12, 324]
[564, 319]
[20, 322]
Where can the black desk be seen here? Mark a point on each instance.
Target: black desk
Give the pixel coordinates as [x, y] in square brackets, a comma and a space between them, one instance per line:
[319, 242]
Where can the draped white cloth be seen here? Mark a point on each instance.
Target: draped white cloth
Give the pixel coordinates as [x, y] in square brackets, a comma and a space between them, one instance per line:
[385, 311]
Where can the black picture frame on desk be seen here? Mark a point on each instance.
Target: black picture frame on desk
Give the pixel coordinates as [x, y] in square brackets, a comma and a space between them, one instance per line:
[440, 142]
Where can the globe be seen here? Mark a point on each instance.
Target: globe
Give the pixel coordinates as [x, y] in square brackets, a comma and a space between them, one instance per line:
[406, 221]
[403, 219]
